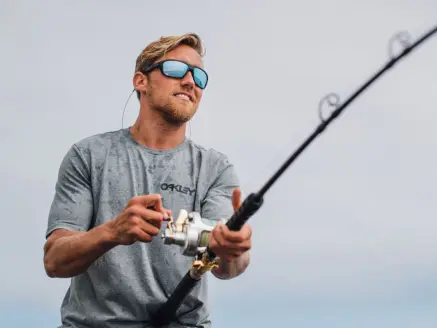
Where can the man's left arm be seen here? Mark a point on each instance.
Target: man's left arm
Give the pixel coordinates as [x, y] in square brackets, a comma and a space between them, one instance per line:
[229, 270]
[232, 247]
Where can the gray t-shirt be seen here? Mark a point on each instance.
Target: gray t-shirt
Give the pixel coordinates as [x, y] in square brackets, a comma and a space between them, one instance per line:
[97, 177]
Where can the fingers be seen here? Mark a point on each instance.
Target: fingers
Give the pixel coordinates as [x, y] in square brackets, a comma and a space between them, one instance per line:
[230, 244]
[234, 236]
[147, 215]
[149, 201]
[141, 234]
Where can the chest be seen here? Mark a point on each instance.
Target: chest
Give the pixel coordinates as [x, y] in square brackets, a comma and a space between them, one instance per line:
[120, 178]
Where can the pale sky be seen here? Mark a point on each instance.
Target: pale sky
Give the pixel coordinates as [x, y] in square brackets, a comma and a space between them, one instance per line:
[346, 238]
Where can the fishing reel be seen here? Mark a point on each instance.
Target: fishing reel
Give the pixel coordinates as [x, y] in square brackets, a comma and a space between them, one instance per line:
[189, 232]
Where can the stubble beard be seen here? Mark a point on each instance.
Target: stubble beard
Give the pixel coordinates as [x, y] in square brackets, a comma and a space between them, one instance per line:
[171, 113]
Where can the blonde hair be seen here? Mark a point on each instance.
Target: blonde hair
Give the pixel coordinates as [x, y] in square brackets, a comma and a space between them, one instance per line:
[160, 47]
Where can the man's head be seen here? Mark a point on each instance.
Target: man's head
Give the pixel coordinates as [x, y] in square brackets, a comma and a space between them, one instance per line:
[160, 82]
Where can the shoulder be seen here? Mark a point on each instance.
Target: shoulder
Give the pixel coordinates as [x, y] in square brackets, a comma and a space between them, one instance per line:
[210, 156]
[100, 141]
[89, 151]
[215, 167]
[97, 147]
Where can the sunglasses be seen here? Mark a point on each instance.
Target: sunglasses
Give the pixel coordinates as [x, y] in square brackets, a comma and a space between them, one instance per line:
[178, 69]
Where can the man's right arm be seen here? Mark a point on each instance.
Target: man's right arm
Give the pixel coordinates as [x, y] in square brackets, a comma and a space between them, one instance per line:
[69, 253]
[70, 248]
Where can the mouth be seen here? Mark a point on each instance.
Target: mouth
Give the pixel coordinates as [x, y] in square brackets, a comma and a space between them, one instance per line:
[184, 96]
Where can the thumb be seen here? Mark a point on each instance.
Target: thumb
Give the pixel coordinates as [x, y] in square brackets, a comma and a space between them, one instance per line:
[236, 198]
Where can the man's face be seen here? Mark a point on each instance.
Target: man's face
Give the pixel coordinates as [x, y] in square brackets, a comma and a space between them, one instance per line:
[176, 100]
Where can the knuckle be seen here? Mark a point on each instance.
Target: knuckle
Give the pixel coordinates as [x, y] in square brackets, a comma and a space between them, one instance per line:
[157, 217]
[239, 239]
[131, 210]
[225, 244]
[150, 228]
[139, 233]
[216, 233]
[145, 237]
[132, 231]
[136, 210]
[134, 220]
[154, 197]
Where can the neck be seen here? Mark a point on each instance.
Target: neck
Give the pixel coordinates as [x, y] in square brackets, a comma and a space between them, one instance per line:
[152, 131]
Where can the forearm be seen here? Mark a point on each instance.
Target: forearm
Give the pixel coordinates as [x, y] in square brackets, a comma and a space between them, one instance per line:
[229, 270]
[71, 255]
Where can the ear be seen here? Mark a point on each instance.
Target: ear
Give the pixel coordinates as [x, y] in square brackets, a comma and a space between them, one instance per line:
[140, 82]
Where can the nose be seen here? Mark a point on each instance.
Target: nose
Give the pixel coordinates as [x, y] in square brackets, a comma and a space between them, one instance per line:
[188, 80]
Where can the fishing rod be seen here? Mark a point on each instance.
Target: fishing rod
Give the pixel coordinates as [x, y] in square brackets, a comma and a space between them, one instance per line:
[191, 234]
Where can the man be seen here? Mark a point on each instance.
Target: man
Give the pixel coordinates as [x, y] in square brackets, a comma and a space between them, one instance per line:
[114, 189]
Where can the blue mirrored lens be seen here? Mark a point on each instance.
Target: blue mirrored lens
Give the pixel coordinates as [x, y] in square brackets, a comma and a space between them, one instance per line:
[200, 78]
[178, 69]
[174, 69]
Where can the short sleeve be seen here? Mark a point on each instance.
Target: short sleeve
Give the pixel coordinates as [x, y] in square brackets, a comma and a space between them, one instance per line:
[217, 204]
[72, 205]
